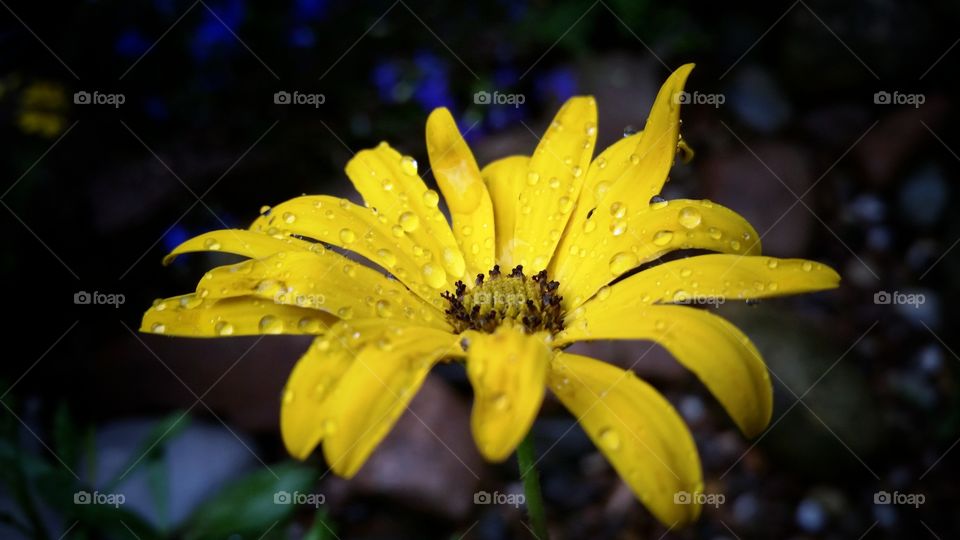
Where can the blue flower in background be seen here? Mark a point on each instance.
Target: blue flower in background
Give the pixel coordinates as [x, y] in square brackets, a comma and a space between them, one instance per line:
[304, 12]
[156, 108]
[557, 85]
[165, 7]
[131, 44]
[177, 235]
[309, 10]
[302, 36]
[433, 87]
[386, 77]
[213, 34]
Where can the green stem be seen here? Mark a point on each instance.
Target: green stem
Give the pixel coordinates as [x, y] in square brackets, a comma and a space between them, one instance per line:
[527, 458]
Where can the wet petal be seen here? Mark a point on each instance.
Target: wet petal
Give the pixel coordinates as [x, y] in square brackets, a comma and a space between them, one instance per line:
[304, 412]
[362, 230]
[192, 316]
[626, 178]
[718, 278]
[554, 177]
[389, 182]
[718, 353]
[633, 236]
[239, 242]
[376, 389]
[462, 186]
[508, 372]
[324, 281]
[503, 178]
[636, 429]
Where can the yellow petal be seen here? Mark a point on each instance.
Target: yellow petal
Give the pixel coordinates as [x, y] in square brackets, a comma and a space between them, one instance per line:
[628, 177]
[508, 371]
[362, 230]
[239, 242]
[322, 280]
[389, 182]
[717, 278]
[459, 179]
[192, 316]
[720, 355]
[376, 389]
[637, 430]
[611, 166]
[555, 174]
[304, 413]
[618, 238]
[503, 178]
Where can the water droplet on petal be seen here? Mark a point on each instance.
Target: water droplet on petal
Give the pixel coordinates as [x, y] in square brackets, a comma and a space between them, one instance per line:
[657, 202]
[158, 328]
[690, 217]
[622, 262]
[431, 198]
[270, 325]
[533, 178]
[409, 221]
[662, 238]
[289, 217]
[603, 293]
[212, 244]
[609, 439]
[387, 257]
[434, 275]
[347, 236]
[384, 309]
[223, 328]
[408, 165]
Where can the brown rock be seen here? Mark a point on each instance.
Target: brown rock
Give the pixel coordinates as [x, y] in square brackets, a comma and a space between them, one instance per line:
[742, 181]
[428, 461]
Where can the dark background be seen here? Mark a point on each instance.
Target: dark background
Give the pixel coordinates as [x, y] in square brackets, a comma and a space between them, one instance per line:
[94, 195]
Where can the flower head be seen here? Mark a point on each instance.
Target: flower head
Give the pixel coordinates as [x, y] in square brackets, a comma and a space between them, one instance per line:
[539, 252]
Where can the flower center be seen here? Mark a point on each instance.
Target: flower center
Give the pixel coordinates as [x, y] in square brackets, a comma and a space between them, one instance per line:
[528, 301]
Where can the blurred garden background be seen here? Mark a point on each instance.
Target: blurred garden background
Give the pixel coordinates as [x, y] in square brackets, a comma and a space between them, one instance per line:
[129, 126]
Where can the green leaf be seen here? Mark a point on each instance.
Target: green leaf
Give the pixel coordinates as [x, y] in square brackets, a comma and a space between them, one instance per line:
[248, 505]
[66, 436]
[322, 528]
[151, 446]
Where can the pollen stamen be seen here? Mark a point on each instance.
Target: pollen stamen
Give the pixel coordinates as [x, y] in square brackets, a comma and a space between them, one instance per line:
[527, 301]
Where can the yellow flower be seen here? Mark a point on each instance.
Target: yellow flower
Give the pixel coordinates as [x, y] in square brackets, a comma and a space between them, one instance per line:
[42, 108]
[522, 270]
